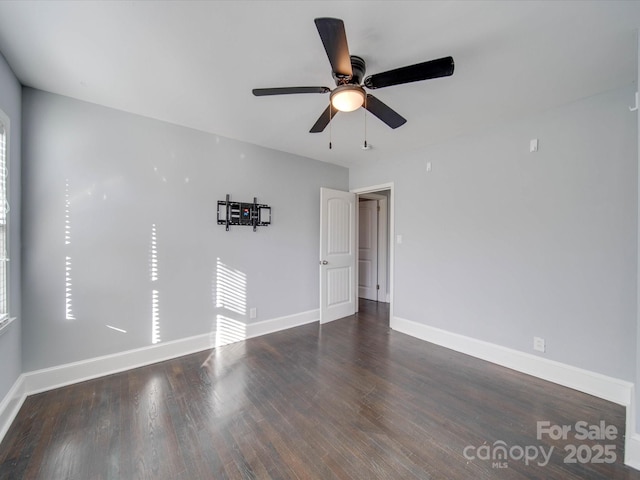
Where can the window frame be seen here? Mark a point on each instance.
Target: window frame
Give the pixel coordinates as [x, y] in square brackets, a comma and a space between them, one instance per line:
[5, 149]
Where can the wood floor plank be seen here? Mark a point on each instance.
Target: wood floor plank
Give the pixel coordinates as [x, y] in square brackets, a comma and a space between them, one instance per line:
[52, 414]
[351, 399]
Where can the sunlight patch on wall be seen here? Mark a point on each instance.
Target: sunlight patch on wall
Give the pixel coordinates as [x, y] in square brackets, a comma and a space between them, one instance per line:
[68, 290]
[155, 295]
[68, 282]
[155, 318]
[230, 295]
[231, 289]
[67, 214]
[229, 330]
[116, 329]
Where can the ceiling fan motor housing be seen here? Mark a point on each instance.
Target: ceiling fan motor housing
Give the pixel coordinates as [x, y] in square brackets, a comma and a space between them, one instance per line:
[358, 66]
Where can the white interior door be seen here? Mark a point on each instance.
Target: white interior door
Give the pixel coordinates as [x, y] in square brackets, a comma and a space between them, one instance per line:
[337, 254]
[368, 285]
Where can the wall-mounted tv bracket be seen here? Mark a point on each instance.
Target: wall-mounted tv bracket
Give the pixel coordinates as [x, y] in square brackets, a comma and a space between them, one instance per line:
[242, 213]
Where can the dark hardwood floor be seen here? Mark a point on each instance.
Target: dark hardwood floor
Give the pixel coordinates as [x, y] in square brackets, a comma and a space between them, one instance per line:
[349, 400]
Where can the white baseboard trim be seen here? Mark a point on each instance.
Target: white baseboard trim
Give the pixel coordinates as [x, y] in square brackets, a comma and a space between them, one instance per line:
[608, 388]
[632, 438]
[11, 404]
[282, 323]
[62, 375]
[59, 376]
[632, 451]
[45, 379]
[602, 386]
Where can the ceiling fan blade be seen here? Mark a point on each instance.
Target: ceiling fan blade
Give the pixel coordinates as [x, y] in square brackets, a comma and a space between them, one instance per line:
[324, 119]
[334, 39]
[383, 112]
[442, 67]
[261, 92]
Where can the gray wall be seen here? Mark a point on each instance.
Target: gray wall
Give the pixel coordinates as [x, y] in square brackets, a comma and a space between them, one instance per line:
[503, 245]
[10, 340]
[101, 178]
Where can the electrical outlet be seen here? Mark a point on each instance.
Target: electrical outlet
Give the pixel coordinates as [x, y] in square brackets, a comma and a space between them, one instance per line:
[253, 312]
[539, 344]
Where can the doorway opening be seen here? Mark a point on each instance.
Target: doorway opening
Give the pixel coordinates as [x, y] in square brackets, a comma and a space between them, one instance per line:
[374, 262]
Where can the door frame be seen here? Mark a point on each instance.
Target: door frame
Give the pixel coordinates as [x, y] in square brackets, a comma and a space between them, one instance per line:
[391, 246]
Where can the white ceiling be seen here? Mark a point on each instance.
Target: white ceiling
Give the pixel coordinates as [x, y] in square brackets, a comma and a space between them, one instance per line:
[195, 63]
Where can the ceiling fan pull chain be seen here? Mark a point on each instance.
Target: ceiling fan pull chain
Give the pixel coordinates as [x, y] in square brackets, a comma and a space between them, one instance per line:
[365, 123]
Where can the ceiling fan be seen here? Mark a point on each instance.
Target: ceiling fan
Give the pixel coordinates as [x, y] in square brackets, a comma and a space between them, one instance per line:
[348, 72]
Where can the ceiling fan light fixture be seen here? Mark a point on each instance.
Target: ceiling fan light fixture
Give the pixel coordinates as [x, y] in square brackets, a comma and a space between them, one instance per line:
[347, 98]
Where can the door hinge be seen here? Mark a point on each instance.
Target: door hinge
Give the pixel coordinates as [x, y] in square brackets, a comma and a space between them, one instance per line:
[378, 207]
[377, 287]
